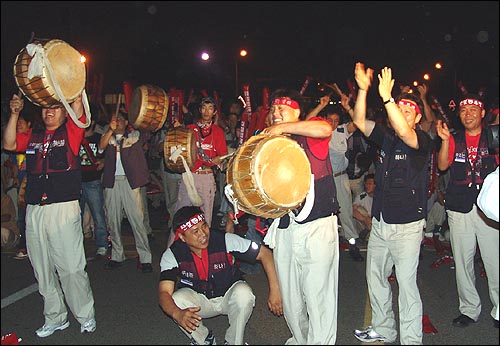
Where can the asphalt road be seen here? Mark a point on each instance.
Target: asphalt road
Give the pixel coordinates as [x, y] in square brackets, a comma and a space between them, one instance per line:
[127, 310]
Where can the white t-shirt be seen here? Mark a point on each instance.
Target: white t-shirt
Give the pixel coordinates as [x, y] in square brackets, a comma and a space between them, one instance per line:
[488, 196]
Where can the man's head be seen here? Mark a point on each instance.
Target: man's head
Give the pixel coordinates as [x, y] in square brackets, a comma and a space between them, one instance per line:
[333, 116]
[411, 106]
[208, 108]
[285, 106]
[236, 107]
[369, 184]
[232, 120]
[121, 122]
[53, 117]
[190, 226]
[23, 124]
[471, 111]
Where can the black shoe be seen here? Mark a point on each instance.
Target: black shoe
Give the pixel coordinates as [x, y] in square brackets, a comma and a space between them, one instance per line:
[355, 254]
[463, 321]
[110, 265]
[146, 268]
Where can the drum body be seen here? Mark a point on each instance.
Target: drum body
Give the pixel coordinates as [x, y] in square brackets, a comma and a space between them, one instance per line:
[68, 72]
[185, 139]
[148, 108]
[270, 175]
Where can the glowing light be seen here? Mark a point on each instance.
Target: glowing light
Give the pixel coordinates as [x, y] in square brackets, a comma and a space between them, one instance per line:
[83, 59]
[415, 83]
[427, 76]
[205, 56]
[243, 52]
[438, 66]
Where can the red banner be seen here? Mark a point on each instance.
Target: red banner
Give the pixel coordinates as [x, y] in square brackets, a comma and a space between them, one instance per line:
[128, 89]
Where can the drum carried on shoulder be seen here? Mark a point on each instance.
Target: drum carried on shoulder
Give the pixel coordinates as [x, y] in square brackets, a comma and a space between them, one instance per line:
[270, 175]
[148, 108]
[184, 140]
[45, 65]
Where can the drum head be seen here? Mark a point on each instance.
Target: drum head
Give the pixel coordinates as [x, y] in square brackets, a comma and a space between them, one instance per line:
[282, 171]
[134, 109]
[69, 70]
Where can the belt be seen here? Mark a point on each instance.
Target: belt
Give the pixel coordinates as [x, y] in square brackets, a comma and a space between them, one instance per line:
[43, 203]
[203, 171]
[340, 173]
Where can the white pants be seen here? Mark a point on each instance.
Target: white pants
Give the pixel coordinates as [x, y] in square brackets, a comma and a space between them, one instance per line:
[205, 185]
[54, 240]
[307, 260]
[399, 245]
[465, 231]
[237, 304]
[344, 198]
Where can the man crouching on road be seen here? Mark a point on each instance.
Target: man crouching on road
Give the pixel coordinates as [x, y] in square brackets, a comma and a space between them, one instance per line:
[210, 282]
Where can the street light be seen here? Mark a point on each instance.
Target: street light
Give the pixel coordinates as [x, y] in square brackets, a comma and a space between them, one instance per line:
[243, 53]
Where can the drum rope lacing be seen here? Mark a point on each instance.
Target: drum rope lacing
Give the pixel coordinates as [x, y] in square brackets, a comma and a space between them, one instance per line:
[35, 68]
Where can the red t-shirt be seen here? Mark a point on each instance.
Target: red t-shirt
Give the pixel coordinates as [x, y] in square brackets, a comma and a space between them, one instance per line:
[75, 136]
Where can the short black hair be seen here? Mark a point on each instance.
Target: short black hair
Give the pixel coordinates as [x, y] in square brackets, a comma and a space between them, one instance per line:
[285, 92]
[183, 215]
[369, 176]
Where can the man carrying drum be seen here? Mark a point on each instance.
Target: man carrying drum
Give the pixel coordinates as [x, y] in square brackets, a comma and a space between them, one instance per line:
[305, 244]
[211, 145]
[54, 236]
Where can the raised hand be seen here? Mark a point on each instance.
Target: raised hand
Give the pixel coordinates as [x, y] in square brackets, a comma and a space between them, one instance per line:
[386, 83]
[363, 76]
[16, 104]
[442, 130]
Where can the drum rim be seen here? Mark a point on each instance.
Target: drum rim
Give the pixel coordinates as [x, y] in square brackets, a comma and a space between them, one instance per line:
[275, 209]
[46, 96]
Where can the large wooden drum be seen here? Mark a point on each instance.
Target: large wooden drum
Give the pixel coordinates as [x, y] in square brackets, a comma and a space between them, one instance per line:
[270, 175]
[148, 108]
[182, 138]
[68, 71]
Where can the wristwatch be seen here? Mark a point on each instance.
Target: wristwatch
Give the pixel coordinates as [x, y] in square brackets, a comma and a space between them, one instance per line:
[389, 100]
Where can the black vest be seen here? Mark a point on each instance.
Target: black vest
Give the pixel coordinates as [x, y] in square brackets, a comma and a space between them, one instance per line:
[401, 187]
[57, 175]
[466, 180]
[325, 193]
[222, 272]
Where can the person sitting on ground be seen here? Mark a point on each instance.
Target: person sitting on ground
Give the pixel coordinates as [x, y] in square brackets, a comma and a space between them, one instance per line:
[199, 278]
[362, 208]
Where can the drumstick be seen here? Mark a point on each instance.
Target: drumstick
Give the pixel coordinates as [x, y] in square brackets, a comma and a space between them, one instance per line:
[223, 157]
[334, 87]
[118, 105]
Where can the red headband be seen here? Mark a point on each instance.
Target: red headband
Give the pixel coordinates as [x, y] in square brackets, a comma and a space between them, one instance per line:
[193, 221]
[287, 102]
[473, 102]
[410, 104]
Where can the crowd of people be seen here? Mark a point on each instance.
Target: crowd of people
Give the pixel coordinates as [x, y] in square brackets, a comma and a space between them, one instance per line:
[379, 179]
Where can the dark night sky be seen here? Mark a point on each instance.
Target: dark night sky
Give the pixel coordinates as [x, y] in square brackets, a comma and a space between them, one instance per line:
[160, 42]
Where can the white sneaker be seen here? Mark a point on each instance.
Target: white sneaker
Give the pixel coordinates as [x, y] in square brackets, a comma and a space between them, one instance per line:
[48, 330]
[101, 251]
[88, 326]
[369, 335]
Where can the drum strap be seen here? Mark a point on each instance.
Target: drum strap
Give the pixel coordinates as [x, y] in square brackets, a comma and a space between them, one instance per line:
[187, 176]
[35, 68]
[228, 191]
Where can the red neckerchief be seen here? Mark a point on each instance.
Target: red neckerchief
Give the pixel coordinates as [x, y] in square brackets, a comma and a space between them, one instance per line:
[201, 264]
[205, 128]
